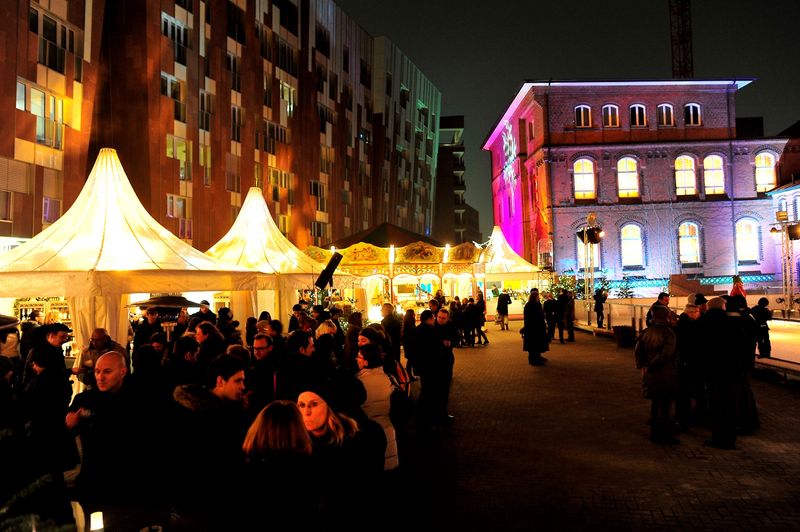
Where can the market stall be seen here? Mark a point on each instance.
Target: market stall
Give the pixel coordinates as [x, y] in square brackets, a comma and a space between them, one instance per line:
[407, 276]
[503, 269]
[255, 242]
[105, 247]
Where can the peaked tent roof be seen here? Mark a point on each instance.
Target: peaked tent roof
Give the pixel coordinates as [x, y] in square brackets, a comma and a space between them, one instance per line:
[107, 243]
[255, 242]
[502, 262]
[385, 235]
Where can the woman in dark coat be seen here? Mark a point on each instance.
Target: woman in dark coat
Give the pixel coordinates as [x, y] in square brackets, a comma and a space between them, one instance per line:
[657, 356]
[534, 330]
[408, 339]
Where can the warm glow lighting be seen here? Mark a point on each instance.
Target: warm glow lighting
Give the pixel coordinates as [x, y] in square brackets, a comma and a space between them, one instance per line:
[391, 254]
[96, 521]
[333, 250]
[446, 252]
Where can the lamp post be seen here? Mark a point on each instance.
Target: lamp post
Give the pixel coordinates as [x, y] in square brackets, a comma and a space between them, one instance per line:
[788, 232]
[590, 235]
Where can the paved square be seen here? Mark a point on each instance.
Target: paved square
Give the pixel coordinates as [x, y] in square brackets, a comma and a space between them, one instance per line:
[566, 446]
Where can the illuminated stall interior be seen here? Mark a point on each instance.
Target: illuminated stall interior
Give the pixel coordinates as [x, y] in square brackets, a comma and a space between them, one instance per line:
[407, 276]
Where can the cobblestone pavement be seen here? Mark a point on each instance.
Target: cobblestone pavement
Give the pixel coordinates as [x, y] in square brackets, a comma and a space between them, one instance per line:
[565, 446]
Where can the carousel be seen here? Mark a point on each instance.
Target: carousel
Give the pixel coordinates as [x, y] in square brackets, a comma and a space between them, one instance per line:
[410, 275]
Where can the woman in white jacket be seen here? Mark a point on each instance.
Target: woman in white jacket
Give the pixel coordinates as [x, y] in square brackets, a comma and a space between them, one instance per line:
[379, 390]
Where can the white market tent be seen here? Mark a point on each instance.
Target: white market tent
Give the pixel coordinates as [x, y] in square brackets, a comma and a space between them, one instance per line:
[107, 245]
[255, 242]
[502, 263]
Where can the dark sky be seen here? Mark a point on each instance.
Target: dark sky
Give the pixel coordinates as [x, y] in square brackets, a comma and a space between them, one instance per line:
[479, 53]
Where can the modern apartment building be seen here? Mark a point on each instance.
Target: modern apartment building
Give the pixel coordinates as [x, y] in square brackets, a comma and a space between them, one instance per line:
[203, 99]
[658, 163]
[456, 221]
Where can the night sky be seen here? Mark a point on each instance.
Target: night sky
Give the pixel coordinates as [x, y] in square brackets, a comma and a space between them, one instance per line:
[479, 53]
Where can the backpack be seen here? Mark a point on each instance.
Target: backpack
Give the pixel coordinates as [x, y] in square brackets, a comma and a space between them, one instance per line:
[401, 406]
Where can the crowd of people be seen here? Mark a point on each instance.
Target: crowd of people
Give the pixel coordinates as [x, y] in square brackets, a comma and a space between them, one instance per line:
[700, 362]
[217, 427]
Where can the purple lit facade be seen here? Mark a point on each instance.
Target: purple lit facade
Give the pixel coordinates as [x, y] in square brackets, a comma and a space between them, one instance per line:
[658, 162]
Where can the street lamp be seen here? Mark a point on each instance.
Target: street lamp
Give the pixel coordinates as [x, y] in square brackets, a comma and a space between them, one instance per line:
[590, 235]
[788, 233]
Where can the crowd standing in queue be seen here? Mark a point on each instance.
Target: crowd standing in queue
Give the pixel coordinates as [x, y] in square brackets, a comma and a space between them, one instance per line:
[219, 428]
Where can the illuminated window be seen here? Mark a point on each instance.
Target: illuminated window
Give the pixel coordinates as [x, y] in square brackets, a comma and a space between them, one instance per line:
[713, 175]
[747, 240]
[20, 96]
[666, 116]
[685, 182]
[628, 178]
[689, 243]
[610, 116]
[638, 115]
[583, 116]
[288, 95]
[782, 204]
[177, 206]
[691, 114]
[631, 244]
[582, 254]
[796, 208]
[583, 170]
[765, 172]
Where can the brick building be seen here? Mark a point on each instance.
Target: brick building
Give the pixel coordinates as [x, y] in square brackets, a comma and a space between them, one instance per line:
[659, 163]
[203, 99]
[456, 221]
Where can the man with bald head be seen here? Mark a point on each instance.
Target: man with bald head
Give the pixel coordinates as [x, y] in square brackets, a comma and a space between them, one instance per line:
[110, 423]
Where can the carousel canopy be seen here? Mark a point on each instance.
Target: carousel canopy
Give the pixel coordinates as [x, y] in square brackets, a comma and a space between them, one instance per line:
[383, 236]
[255, 242]
[107, 243]
[501, 262]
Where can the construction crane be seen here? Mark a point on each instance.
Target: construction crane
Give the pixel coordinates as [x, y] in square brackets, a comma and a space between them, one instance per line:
[680, 26]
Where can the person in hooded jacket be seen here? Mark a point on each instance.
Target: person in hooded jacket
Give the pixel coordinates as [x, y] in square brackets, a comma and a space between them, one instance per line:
[209, 424]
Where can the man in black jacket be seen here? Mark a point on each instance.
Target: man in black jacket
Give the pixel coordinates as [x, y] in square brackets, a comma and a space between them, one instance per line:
[393, 327]
[436, 349]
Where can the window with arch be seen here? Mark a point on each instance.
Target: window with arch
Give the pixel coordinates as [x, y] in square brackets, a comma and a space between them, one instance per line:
[783, 205]
[638, 115]
[583, 171]
[685, 181]
[666, 115]
[582, 254]
[713, 175]
[583, 116]
[628, 178]
[610, 116]
[765, 172]
[747, 240]
[631, 245]
[691, 114]
[689, 243]
[796, 208]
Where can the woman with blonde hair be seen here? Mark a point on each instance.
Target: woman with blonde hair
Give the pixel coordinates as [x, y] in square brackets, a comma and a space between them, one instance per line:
[348, 455]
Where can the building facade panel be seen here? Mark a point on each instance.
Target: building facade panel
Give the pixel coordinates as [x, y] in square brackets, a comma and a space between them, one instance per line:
[203, 99]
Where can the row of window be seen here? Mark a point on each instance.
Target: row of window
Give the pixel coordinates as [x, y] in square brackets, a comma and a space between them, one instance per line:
[48, 110]
[794, 213]
[585, 183]
[632, 245]
[665, 114]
